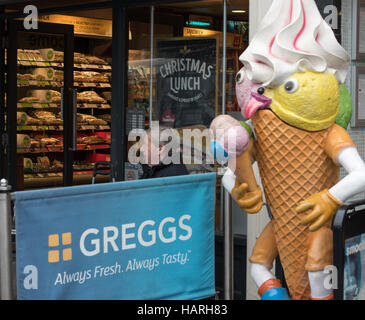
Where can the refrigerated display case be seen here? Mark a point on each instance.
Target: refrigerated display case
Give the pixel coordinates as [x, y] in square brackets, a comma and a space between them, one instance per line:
[60, 101]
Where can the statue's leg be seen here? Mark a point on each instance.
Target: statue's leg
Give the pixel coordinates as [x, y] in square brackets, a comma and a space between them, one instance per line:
[320, 251]
[263, 255]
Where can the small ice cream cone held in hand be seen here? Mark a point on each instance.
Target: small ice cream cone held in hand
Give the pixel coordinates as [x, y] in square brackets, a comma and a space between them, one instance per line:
[231, 141]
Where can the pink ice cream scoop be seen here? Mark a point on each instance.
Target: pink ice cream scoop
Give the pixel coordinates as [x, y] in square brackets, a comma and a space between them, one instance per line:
[228, 136]
[230, 142]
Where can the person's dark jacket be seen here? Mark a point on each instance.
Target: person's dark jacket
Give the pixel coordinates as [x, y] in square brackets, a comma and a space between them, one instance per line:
[163, 170]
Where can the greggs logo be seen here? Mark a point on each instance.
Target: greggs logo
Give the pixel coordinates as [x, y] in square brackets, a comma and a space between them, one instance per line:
[94, 241]
[56, 250]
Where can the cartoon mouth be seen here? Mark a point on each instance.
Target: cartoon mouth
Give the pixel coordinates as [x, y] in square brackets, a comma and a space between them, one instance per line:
[256, 102]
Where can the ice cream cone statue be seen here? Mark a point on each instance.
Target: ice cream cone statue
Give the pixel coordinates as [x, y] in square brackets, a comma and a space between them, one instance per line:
[291, 89]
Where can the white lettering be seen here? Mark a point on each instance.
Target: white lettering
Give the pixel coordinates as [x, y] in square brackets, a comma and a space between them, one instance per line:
[151, 233]
[186, 64]
[94, 242]
[172, 230]
[126, 236]
[184, 84]
[355, 248]
[163, 75]
[110, 239]
[188, 229]
[145, 234]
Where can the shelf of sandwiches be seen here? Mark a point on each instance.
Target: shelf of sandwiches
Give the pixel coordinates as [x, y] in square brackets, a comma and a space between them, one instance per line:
[53, 58]
[44, 70]
[33, 114]
[44, 77]
[43, 99]
[44, 143]
[44, 167]
[41, 120]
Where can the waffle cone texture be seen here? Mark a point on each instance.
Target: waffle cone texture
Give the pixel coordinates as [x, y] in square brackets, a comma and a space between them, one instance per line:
[293, 165]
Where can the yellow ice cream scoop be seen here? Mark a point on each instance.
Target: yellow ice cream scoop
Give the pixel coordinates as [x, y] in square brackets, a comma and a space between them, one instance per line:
[307, 100]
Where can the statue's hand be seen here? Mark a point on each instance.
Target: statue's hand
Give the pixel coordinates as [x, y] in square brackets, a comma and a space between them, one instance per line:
[249, 201]
[323, 206]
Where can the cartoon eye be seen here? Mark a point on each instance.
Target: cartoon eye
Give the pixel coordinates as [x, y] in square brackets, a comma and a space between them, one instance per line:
[291, 85]
[261, 90]
[240, 76]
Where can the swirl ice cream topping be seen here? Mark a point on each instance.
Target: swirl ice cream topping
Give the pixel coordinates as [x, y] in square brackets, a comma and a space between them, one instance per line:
[293, 37]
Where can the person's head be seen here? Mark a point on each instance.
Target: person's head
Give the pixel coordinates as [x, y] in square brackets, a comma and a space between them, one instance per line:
[154, 142]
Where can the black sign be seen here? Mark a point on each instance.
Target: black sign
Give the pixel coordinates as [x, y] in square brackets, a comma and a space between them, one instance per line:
[186, 81]
[348, 279]
[331, 13]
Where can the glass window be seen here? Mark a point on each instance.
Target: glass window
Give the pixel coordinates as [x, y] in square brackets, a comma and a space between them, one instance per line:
[176, 71]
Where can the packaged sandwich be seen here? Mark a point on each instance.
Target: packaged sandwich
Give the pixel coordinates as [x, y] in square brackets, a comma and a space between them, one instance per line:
[90, 140]
[90, 97]
[47, 117]
[89, 119]
[24, 119]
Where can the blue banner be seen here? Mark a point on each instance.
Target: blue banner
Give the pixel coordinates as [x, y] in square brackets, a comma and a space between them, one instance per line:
[135, 240]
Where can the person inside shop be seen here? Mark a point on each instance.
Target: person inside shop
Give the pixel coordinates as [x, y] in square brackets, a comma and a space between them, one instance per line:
[154, 154]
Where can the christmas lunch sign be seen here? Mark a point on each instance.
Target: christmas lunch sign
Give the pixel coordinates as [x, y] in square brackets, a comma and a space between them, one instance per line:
[187, 81]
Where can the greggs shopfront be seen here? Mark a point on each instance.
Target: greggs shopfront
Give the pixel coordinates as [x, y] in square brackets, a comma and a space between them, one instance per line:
[77, 77]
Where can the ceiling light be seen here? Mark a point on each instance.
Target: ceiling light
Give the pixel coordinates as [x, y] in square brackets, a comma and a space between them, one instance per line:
[238, 11]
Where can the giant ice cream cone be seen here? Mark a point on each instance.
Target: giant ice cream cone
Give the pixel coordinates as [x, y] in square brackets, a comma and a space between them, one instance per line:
[298, 64]
[293, 165]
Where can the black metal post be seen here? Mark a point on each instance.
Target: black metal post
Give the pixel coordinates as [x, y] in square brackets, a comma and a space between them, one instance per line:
[2, 97]
[11, 106]
[68, 112]
[119, 89]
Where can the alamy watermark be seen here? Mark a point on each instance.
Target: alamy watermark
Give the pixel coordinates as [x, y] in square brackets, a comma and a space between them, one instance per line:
[168, 145]
[331, 281]
[31, 20]
[330, 13]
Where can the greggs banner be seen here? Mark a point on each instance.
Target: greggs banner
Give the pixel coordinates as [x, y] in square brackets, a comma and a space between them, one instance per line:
[144, 239]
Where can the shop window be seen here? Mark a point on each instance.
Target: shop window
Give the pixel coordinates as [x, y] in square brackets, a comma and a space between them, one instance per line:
[175, 73]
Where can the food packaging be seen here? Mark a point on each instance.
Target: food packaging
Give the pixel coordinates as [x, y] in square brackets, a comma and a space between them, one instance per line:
[45, 96]
[24, 119]
[21, 118]
[44, 73]
[47, 54]
[23, 141]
